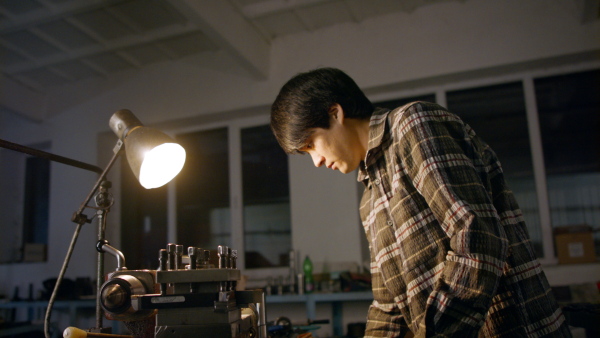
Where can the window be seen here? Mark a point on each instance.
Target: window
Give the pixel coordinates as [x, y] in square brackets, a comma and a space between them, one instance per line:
[143, 219]
[569, 114]
[267, 235]
[36, 206]
[203, 203]
[206, 211]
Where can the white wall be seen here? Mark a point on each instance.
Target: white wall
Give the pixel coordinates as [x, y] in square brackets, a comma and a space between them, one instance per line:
[434, 43]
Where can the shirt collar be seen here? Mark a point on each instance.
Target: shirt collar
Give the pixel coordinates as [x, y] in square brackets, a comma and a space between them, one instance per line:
[376, 132]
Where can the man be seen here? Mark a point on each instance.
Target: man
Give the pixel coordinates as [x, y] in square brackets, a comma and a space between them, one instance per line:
[450, 253]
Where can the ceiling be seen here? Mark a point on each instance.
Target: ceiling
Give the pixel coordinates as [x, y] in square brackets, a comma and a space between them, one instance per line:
[45, 44]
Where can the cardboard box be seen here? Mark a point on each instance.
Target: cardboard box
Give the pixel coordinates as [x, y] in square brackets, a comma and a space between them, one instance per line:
[574, 244]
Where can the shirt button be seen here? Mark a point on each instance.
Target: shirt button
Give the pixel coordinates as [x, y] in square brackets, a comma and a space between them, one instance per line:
[377, 181]
[390, 222]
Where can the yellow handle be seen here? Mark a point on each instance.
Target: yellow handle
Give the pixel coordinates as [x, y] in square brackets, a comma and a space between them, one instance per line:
[73, 332]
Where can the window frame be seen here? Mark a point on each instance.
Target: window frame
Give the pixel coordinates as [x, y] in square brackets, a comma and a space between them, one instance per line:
[535, 139]
[527, 77]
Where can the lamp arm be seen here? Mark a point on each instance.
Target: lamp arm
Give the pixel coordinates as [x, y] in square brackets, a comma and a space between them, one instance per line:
[49, 156]
[78, 216]
[59, 280]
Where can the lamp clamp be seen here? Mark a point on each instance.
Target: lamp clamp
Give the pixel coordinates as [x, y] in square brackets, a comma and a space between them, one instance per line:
[118, 146]
[80, 218]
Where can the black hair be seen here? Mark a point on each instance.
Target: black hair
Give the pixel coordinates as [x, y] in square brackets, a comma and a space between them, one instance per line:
[304, 102]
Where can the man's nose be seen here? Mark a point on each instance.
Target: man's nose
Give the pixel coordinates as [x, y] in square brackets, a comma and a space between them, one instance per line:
[317, 159]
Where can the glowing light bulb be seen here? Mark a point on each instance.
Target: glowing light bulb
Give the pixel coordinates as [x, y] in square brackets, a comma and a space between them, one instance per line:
[161, 165]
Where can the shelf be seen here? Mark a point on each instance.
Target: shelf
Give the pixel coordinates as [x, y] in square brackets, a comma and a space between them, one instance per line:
[336, 300]
[321, 297]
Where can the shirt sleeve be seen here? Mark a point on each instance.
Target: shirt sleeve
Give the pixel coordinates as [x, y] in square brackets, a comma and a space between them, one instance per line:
[450, 168]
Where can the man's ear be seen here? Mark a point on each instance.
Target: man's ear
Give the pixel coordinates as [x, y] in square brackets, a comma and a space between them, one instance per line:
[336, 112]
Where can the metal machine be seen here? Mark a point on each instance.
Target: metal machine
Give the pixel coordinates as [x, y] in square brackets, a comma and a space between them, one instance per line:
[186, 297]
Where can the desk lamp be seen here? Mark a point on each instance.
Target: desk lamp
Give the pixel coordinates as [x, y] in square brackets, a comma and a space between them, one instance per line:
[154, 157]
[155, 160]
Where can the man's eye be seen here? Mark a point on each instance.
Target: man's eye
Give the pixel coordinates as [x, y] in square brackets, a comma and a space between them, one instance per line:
[307, 147]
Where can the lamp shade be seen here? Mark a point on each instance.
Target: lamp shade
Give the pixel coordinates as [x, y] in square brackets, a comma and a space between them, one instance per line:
[154, 157]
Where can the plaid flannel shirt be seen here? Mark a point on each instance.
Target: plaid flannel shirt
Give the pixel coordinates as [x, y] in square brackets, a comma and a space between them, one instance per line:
[450, 252]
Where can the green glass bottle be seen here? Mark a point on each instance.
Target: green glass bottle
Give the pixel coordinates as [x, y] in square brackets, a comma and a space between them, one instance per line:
[309, 282]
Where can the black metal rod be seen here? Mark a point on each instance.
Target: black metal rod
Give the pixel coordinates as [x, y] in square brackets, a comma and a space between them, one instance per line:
[49, 156]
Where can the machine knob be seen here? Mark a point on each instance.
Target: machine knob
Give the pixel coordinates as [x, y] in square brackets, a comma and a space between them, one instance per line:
[222, 252]
[171, 256]
[178, 256]
[192, 254]
[116, 294]
[116, 298]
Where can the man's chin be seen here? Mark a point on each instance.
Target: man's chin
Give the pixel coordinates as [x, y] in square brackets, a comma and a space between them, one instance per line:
[346, 169]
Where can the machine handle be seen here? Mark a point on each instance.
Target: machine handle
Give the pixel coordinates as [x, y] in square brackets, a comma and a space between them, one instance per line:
[73, 332]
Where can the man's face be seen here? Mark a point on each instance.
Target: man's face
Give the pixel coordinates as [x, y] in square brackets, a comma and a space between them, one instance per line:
[338, 147]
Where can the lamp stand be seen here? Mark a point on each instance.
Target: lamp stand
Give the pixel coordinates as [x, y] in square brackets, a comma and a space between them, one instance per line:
[103, 201]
